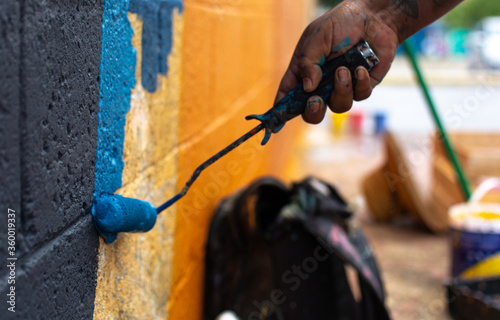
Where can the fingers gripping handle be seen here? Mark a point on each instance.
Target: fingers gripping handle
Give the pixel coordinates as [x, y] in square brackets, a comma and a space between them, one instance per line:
[294, 103]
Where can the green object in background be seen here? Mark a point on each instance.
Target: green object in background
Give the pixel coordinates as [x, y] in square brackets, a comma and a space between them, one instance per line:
[456, 163]
[329, 3]
[456, 40]
[470, 12]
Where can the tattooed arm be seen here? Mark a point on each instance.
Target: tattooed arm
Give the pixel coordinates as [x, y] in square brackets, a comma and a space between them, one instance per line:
[416, 14]
[383, 23]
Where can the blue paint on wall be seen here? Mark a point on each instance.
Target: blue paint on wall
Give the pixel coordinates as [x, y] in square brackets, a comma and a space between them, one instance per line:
[117, 78]
[157, 33]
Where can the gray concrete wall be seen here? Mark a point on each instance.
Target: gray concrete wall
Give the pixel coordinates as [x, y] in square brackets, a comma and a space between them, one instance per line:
[49, 95]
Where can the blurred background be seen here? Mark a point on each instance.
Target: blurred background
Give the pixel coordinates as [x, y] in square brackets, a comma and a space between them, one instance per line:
[458, 53]
[360, 152]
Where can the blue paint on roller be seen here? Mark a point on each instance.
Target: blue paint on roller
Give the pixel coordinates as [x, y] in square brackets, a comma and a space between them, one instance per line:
[114, 214]
[157, 33]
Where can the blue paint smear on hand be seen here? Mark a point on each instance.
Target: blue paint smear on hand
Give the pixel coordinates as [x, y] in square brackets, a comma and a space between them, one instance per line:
[117, 78]
[322, 61]
[341, 45]
[157, 33]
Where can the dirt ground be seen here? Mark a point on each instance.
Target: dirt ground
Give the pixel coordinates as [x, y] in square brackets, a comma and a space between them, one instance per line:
[414, 262]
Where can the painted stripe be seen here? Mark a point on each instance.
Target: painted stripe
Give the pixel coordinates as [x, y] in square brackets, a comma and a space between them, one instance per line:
[157, 33]
[140, 127]
[117, 78]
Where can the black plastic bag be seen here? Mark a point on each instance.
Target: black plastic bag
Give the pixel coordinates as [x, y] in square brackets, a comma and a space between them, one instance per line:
[281, 253]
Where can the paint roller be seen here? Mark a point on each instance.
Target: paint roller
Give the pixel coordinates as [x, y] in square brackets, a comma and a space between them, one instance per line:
[114, 213]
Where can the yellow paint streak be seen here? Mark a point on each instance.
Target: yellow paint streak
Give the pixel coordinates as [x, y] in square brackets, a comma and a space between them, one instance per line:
[234, 54]
[488, 268]
[134, 275]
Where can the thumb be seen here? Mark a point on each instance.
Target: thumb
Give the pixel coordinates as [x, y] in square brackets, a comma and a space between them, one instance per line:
[315, 110]
[310, 72]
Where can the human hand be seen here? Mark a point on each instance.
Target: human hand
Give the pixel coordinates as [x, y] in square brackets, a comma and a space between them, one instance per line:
[329, 36]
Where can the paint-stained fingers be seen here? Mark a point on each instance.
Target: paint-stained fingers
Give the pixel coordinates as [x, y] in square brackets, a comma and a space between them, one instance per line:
[315, 110]
[310, 56]
[306, 62]
[341, 99]
[310, 72]
[363, 87]
[289, 81]
[374, 82]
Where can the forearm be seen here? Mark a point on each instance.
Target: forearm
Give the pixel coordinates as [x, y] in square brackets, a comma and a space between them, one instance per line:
[384, 24]
[407, 17]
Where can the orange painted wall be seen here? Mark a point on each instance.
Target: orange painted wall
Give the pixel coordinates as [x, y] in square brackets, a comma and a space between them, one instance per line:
[234, 54]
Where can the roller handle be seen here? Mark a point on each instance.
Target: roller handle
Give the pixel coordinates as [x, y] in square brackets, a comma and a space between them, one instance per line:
[294, 103]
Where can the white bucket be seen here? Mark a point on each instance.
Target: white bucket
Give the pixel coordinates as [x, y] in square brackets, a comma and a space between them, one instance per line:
[475, 235]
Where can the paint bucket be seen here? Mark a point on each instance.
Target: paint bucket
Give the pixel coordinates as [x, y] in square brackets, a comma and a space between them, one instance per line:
[475, 235]
[380, 122]
[356, 122]
[338, 122]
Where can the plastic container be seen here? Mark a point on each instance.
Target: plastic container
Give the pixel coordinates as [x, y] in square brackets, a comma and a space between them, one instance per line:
[380, 122]
[475, 235]
[356, 122]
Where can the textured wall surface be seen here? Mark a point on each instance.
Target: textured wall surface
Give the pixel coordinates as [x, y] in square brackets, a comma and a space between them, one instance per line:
[134, 271]
[234, 54]
[49, 57]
